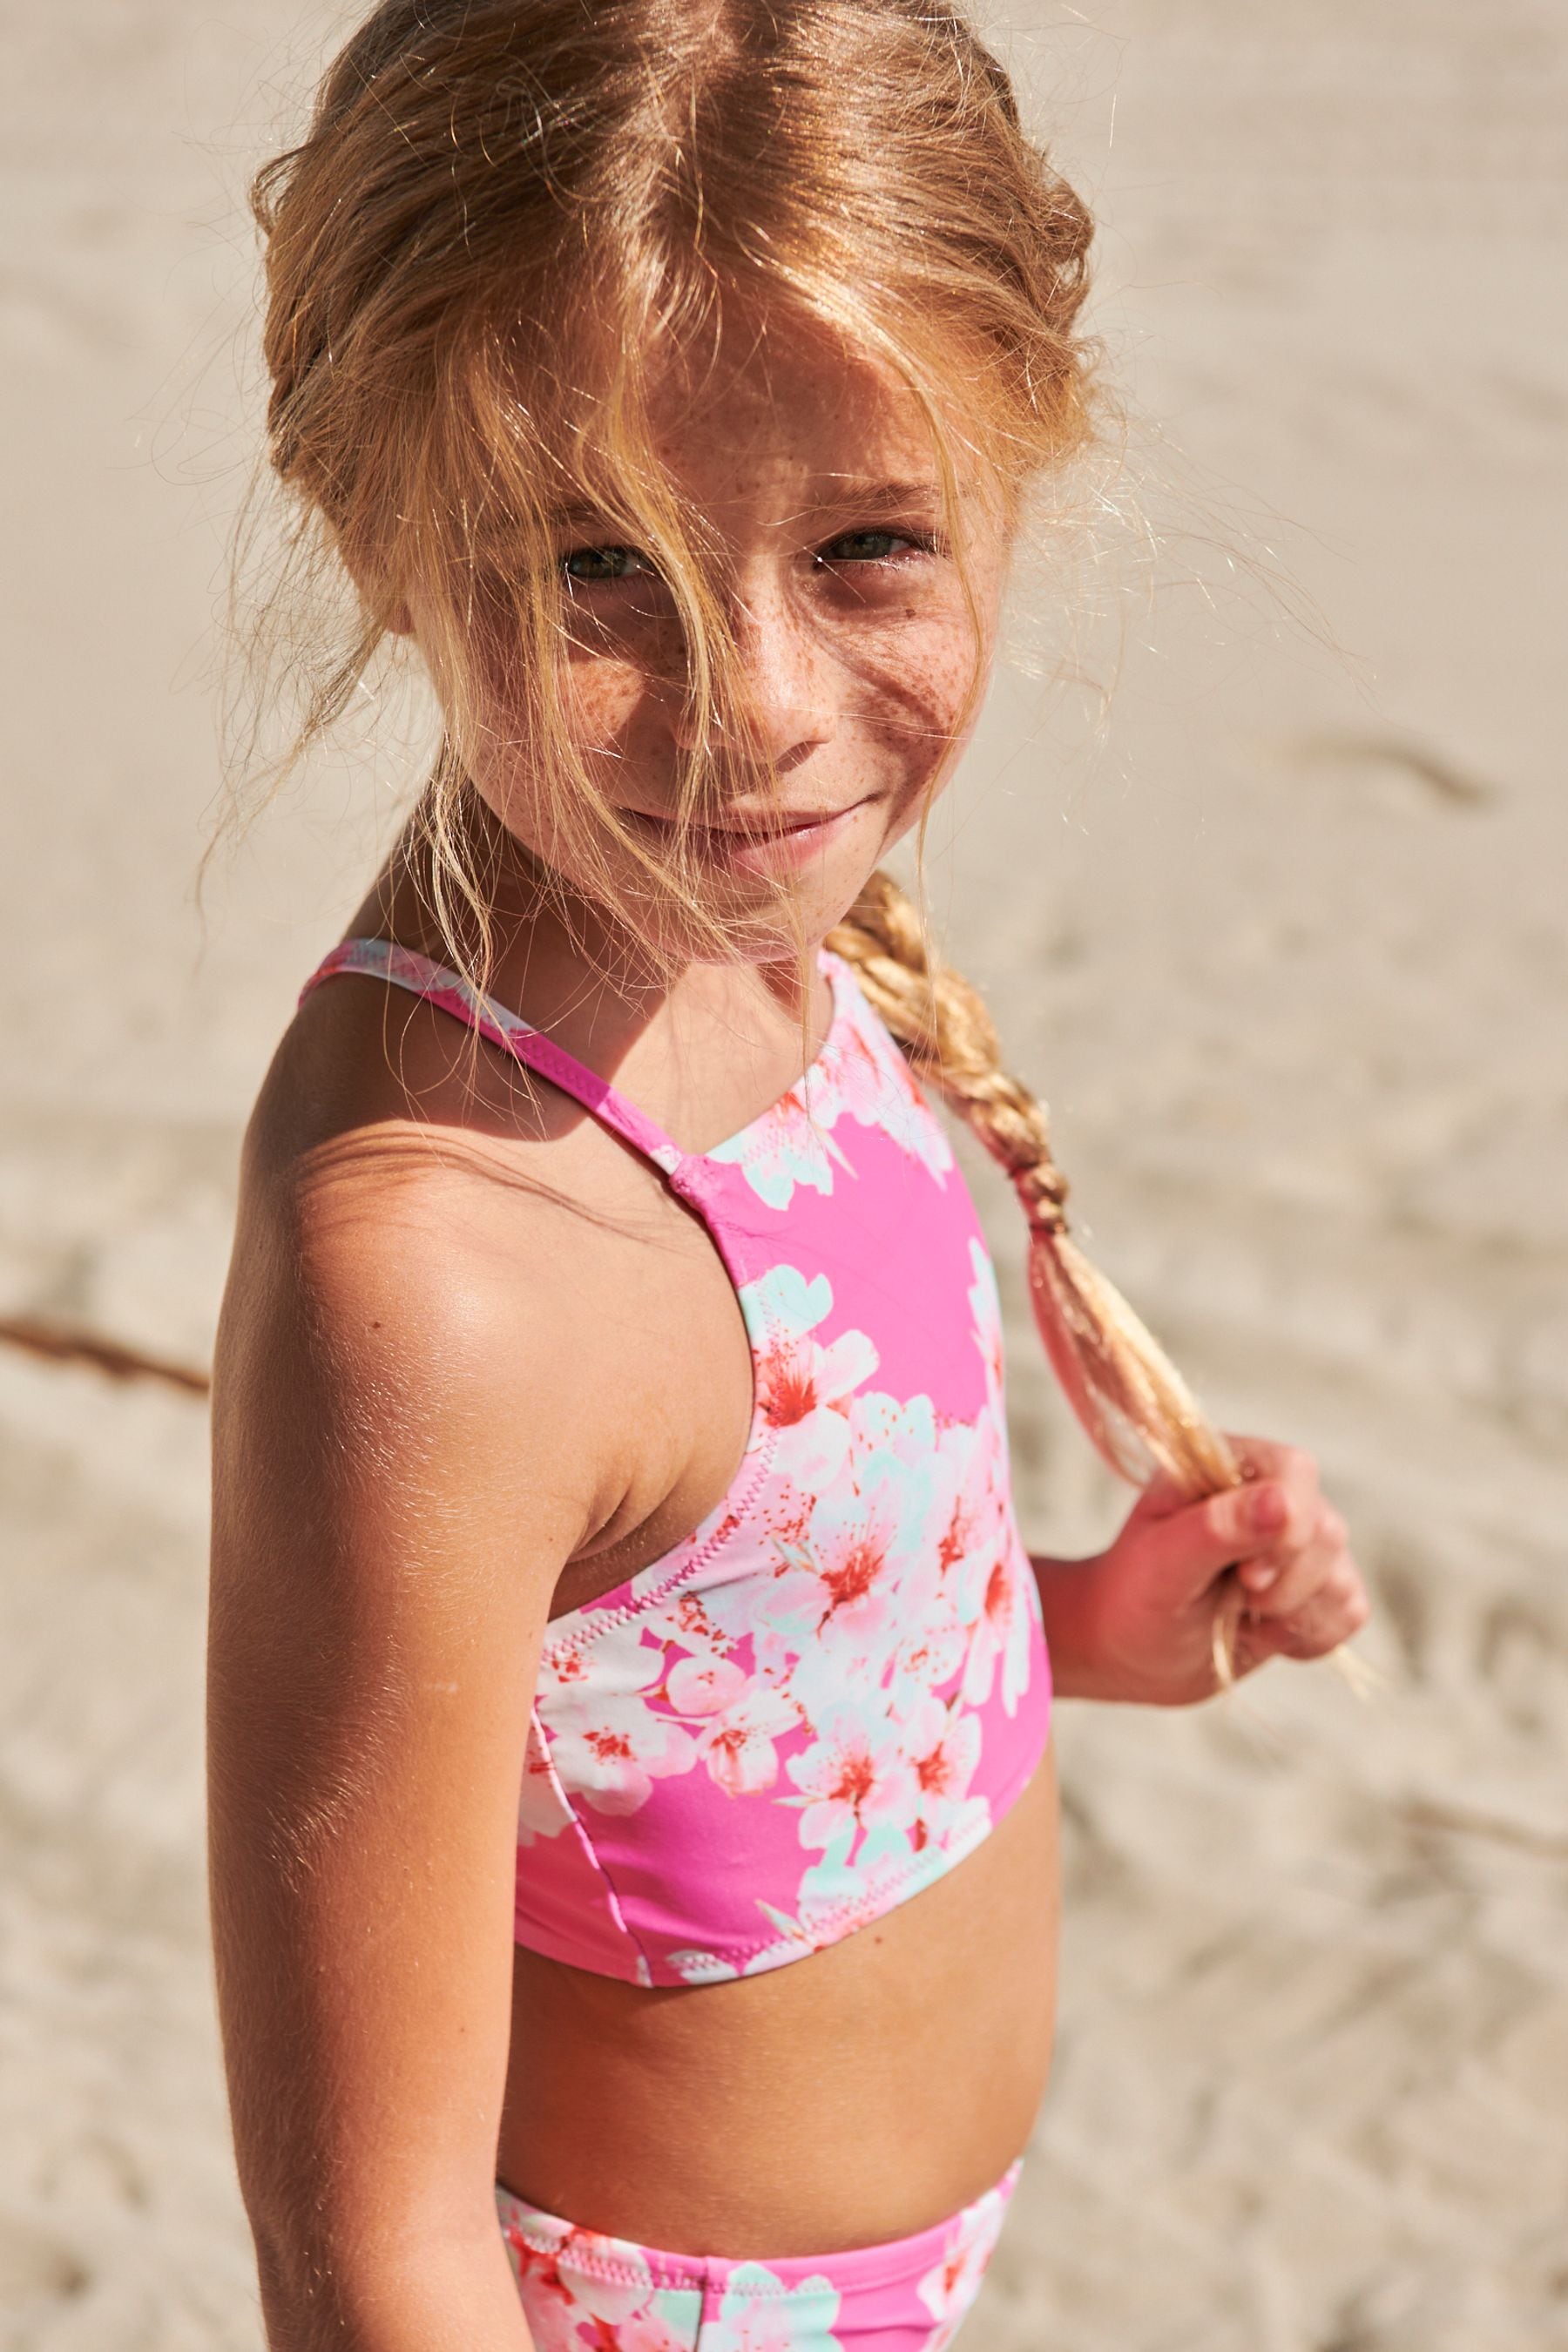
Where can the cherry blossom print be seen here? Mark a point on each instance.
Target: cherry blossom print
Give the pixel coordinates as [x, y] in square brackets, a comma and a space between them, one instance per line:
[579, 2289]
[802, 1386]
[854, 1776]
[790, 1144]
[932, 1647]
[704, 1685]
[949, 2289]
[985, 1307]
[843, 1578]
[684, 1620]
[854, 1077]
[876, 1088]
[943, 1743]
[883, 1424]
[837, 1681]
[1002, 1629]
[648, 2330]
[582, 2293]
[737, 1747]
[607, 1744]
[543, 1809]
[693, 1966]
[973, 1472]
[759, 2314]
[837, 1888]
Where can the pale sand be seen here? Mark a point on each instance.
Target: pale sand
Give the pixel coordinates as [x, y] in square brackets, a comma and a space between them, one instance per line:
[1286, 945]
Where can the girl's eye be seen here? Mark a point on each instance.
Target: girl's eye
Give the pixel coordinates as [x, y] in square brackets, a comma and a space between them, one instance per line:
[589, 565]
[871, 546]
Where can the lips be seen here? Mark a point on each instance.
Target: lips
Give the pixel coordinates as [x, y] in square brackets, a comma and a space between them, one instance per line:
[772, 841]
[764, 825]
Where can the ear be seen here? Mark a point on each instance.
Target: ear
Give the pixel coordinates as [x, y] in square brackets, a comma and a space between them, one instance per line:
[356, 562]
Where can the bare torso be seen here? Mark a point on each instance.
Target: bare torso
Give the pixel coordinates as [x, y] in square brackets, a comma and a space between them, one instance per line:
[858, 2095]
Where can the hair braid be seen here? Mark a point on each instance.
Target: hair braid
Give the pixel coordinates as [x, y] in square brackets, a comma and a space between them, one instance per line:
[1131, 1401]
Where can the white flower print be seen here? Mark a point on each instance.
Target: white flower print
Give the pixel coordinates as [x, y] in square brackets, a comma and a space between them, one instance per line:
[685, 1620]
[860, 1074]
[930, 1652]
[542, 1810]
[875, 1086]
[704, 1685]
[579, 2289]
[843, 1580]
[646, 2331]
[800, 1386]
[882, 1424]
[999, 1632]
[760, 2314]
[738, 1746]
[973, 1472]
[855, 1776]
[789, 1145]
[696, 1966]
[606, 1743]
[836, 1895]
[949, 2290]
[985, 1307]
[943, 1743]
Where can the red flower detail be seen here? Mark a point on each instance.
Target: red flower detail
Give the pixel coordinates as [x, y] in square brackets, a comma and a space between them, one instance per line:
[853, 1578]
[608, 1743]
[789, 1389]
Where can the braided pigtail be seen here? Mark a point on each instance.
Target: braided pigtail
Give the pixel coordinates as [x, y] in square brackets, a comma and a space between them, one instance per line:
[1130, 1399]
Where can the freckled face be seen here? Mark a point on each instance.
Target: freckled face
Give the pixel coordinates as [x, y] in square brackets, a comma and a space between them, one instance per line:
[815, 473]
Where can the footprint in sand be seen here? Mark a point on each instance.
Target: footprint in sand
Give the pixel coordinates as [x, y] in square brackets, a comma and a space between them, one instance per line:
[1391, 759]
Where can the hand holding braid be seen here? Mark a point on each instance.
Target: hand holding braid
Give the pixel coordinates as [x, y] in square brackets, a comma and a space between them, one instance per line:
[1130, 1398]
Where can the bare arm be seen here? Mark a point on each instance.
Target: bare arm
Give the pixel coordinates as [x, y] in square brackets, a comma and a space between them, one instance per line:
[400, 1472]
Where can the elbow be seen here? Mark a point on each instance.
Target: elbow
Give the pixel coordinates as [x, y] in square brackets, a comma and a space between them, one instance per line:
[409, 2280]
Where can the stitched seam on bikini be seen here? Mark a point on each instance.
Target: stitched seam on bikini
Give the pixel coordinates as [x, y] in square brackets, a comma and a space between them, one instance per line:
[595, 1859]
[716, 2274]
[732, 1508]
[567, 2261]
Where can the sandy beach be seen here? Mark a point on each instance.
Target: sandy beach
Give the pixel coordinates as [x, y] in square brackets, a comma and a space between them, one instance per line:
[1277, 924]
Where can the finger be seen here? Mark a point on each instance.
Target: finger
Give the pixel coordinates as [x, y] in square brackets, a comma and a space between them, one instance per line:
[1266, 1458]
[1334, 1615]
[1262, 1460]
[1161, 1498]
[1283, 1579]
[1182, 1555]
[1269, 1518]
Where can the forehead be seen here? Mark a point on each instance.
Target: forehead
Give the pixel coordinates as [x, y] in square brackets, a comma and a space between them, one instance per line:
[775, 412]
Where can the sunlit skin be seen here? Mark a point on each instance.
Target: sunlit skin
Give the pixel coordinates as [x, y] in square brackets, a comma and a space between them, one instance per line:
[478, 1364]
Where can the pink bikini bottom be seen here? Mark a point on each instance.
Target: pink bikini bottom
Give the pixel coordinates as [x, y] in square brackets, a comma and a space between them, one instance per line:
[582, 2293]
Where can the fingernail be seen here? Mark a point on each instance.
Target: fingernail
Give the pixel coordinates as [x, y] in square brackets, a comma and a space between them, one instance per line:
[1257, 1577]
[1269, 1511]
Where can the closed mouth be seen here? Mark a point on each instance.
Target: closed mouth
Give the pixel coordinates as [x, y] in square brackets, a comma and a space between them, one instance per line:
[750, 826]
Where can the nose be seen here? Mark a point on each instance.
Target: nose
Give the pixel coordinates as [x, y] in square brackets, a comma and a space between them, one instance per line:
[789, 684]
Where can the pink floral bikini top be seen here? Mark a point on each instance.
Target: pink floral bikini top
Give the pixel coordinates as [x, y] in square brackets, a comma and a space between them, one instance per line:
[833, 1689]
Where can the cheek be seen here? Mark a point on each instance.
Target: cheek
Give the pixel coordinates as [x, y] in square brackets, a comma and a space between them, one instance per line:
[600, 694]
[920, 684]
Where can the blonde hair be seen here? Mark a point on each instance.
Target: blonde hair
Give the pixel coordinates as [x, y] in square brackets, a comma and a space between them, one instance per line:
[501, 210]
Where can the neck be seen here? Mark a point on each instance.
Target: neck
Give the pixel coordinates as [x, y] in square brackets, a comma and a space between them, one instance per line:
[573, 970]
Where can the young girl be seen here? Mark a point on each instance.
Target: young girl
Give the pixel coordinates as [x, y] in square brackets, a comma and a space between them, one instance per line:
[609, 1398]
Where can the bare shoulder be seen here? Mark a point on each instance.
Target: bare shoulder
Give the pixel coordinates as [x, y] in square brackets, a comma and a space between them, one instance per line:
[456, 1271]
[417, 1258]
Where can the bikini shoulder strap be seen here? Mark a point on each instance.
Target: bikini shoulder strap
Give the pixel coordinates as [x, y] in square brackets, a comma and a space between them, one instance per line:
[403, 968]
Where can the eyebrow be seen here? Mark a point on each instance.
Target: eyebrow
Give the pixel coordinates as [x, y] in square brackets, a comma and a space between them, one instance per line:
[833, 493]
[878, 488]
